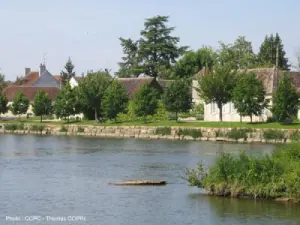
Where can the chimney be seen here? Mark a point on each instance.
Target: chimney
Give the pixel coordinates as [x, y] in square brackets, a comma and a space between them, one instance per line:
[27, 71]
[42, 68]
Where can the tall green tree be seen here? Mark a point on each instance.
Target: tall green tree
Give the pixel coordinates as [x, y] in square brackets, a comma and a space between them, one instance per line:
[3, 104]
[268, 49]
[156, 49]
[177, 97]
[20, 104]
[68, 73]
[115, 100]
[91, 92]
[131, 62]
[146, 101]
[65, 104]
[42, 104]
[217, 86]
[239, 54]
[285, 100]
[194, 61]
[249, 96]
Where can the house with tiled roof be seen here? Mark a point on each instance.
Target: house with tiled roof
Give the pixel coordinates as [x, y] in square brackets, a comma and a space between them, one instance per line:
[31, 83]
[269, 78]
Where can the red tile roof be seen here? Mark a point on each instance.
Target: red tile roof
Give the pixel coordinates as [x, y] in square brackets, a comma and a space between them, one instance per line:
[30, 79]
[29, 91]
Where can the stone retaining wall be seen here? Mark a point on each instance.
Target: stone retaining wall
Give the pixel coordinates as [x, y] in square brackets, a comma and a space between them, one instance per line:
[149, 132]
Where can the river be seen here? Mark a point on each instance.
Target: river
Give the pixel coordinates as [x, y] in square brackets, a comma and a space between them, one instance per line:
[53, 178]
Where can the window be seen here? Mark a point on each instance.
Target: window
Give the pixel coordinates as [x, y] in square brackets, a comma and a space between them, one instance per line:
[213, 107]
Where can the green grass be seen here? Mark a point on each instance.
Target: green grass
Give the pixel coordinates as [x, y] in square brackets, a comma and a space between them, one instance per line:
[169, 123]
[271, 176]
[190, 132]
[163, 131]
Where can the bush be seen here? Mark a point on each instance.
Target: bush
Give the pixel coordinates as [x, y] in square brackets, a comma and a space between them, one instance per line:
[200, 117]
[14, 126]
[295, 136]
[189, 132]
[271, 120]
[262, 176]
[63, 129]
[171, 116]
[220, 134]
[274, 135]
[163, 131]
[39, 128]
[80, 130]
[238, 133]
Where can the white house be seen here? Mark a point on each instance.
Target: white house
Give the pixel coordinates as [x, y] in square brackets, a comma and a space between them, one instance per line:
[269, 78]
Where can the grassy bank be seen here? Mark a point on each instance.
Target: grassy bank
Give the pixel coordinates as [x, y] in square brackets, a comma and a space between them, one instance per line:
[165, 123]
[264, 176]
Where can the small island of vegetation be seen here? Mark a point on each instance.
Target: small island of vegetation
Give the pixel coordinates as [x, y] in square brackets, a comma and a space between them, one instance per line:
[269, 176]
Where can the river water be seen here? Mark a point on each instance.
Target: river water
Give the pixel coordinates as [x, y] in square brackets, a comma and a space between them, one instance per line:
[53, 178]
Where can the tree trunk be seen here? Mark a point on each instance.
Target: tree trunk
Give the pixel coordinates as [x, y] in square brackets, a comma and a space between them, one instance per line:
[220, 107]
[96, 115]
[176, 116]
[41, 118]
[251, 118]
[241, 118]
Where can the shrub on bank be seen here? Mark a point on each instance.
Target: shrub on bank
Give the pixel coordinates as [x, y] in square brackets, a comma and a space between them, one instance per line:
[80, 129]
[295, 136]
[63, 129]
[262, 176]
[14, 126]
[238, 133]
[274, 135]
[163, 131]
[39, 128]
[189, 132]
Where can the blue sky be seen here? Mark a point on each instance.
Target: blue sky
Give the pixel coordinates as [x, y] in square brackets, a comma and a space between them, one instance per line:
[88, 31]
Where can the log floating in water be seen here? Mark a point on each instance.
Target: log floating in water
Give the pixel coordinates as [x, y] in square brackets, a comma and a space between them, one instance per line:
[141, 182]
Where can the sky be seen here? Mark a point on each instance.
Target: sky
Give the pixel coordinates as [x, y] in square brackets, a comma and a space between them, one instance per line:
[88, 31]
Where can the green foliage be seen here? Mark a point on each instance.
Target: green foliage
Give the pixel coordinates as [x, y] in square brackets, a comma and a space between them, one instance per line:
[20, 104]
[217, 86]
[3, 104]
[39, 128]
[42, 104]
[63, 129]
[295, 136]
[115, 100]
[249, 96]
[194, 133]
[91, 91]
[274, 134]
[268, 49]
[163, 131]
[285, 100]
[65, 104]
[14, 126]
[177, 97]
[263, 176]
[200, 117]
[194, 61]
[80, 129]
[145, 102]
[69, 73]
[239, 54]
[238, 133]
[155, 50]
[198, 109]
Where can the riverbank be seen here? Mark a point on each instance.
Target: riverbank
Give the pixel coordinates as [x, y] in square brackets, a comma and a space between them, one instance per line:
[248, 135]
